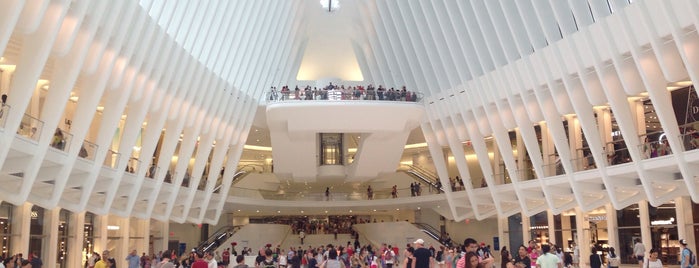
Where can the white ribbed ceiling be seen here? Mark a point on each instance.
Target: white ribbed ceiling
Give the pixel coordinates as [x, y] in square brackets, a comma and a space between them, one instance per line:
[428, 46]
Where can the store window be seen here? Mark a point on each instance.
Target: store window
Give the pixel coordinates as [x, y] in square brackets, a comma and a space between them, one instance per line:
[514, 224]
[565, 228]
[36, 230]
[63, 237]
[89, 235]
[5, 227]
[629, 223]
[663, 229]
[539, 228]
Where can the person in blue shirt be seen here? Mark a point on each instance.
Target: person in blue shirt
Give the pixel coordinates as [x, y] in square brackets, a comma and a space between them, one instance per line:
[133, 259]
[686, 255]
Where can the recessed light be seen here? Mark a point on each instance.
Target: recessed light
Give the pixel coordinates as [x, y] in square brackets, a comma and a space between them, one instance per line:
[258, 211]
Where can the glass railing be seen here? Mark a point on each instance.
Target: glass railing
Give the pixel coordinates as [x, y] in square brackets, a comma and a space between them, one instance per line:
[4, 112]
[30, 127]
[339, 94]
[499, 178]
[526, 174]
[690, 140]
[554, 169]
[169, 175]
[583, 163]
[133, 165]
[111, 160]
[88, 150]
[153, 171]
[654, 149]
[61, 140]
[320, 196]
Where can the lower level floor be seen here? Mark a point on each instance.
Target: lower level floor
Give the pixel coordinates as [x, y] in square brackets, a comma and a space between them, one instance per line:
[65, 239]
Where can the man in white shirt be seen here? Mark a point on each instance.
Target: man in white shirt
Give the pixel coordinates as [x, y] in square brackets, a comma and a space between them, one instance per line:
[210, 260]
[639, 250]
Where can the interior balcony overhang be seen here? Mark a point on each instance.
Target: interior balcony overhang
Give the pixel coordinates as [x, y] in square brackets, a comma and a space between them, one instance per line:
[383, 126]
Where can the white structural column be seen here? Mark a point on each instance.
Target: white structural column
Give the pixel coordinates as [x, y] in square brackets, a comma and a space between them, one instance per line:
[645, 224]
[50, 246]
[552, 227]
[100, 233]
[685, 228]
[76, 236]
[526, 228]
[612, 228]
[122, 248]
[582, 226]
[21, 224]
[604, 124]
[504, 233]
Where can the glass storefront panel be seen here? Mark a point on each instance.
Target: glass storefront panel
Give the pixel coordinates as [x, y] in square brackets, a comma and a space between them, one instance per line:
[514, 223]
[565, 228]
[36, 230]
[5, 227]
[63, 236]
[663, 229]
[629, 223]
[539, 229]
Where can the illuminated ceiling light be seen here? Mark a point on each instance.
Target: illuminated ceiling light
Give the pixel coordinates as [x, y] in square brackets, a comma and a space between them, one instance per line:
[100, 108]
[257, 211]
[112, 227]
[73, 97]
[45, 87]
[330, 5]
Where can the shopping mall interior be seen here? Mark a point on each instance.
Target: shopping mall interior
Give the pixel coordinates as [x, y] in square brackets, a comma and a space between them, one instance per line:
[152, 125]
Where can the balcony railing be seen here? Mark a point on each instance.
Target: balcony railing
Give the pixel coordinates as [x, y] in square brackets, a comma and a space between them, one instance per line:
[133, 165]
[339, 94]
[4, 112]
[31, 127]
[61, 140]
[111, 160]
[282, 194]
[88, 150]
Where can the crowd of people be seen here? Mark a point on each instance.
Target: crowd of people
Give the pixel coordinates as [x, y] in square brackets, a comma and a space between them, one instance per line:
[334, 92]
[18, 261]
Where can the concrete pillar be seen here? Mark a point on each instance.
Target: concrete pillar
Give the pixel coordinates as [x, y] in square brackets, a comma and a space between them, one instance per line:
[552, 227]
[526, 228]
[76, 232]
[612, 230]
[583, 236]
[504, 233]
[100, 233]
[21, 222]
[645, 224]
[685, 222]
[166, 235]
[122, 248]
[50, 246]
[604, 124]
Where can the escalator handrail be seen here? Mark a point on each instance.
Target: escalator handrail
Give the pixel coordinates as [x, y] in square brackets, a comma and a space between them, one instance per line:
[222, 233]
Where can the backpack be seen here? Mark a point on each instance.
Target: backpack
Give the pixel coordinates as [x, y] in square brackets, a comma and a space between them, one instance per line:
[692, 257]
[266, 264]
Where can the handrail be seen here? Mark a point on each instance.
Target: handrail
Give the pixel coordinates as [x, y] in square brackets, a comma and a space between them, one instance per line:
[424, 175]
[346, 94]
[215, 240]
[429, 230]
[238, 175]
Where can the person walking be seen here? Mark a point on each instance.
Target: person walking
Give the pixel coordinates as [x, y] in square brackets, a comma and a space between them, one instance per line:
[133, 260]
[548, 259]
[639, 250]
[686, 255]
[423, 257]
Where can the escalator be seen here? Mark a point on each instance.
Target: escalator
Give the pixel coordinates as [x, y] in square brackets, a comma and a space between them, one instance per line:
[216, 240]
[429, 230]
[423, 176]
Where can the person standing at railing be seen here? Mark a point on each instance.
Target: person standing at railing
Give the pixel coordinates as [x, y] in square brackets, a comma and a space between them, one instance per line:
[646, 148]
[370, 193]
[394, 191]
[665, 148]
[327, 198]
[4, 103]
